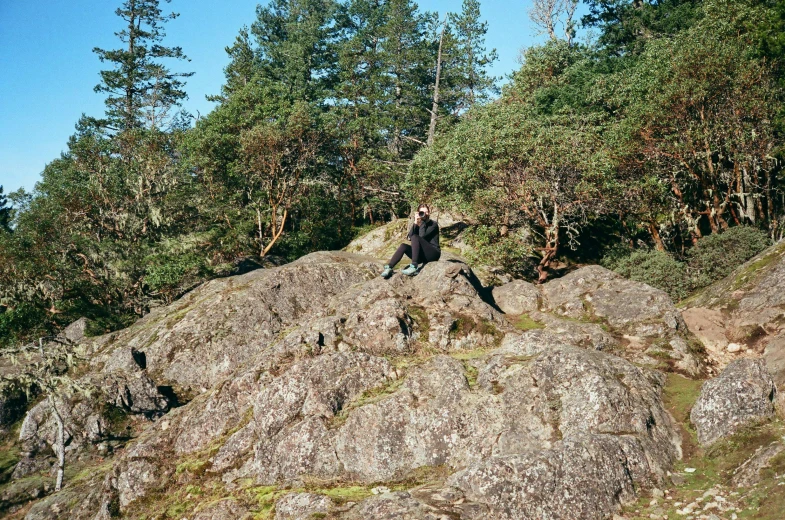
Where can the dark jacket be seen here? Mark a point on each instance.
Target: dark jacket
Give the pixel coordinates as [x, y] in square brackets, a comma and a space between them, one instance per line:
[428, 231]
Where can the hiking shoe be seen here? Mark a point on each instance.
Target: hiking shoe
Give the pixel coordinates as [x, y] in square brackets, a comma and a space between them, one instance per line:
[388, 271]
[411, 270]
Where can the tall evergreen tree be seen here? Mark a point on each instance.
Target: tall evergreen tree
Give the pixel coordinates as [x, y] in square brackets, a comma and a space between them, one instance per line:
[626, 24]
[295, 46]
[140, 89]
[469, 57]
[242, 65]
[5, 212]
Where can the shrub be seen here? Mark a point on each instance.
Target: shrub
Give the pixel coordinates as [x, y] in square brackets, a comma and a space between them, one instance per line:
[654, 268]
[169, 275]
[715, 256]
[511, 253]
[21, 323]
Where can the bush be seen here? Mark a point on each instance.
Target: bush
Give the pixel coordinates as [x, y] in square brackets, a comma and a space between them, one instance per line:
[716, 256]
[511, 253]
[712, 259]
[169, 275]
[22, 323]
[654, 268]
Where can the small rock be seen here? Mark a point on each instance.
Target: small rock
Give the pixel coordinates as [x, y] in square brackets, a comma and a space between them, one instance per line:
[657, 493]
[734, 347]
[380, 490]
[689, 470]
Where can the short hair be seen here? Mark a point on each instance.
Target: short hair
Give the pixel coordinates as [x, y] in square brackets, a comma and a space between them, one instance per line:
[421, 206]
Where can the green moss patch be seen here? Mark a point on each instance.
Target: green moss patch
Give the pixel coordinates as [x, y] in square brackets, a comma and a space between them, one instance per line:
[371, 396]
[524, 322]
[421, 321]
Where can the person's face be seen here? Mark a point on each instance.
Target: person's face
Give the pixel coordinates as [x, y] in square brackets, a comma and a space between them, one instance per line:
[425, 211]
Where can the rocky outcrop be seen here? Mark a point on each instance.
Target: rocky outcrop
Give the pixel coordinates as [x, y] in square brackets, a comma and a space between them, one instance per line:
[742, 314]
[517, 297]
[742, 394]
[320, 371]
[596, 308]
[774, 357]
[749, 472]
[204, 337]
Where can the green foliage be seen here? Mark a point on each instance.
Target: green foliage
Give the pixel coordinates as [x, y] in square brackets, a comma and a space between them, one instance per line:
[17, 323]
[513, 253]
[655, 268]
[626, 24]
[5, 212]
[715, 256]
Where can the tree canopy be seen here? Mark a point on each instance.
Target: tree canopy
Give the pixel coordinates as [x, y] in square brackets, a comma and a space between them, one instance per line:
[662, 132]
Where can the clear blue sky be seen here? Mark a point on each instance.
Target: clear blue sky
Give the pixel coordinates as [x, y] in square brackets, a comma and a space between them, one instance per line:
[48, 69]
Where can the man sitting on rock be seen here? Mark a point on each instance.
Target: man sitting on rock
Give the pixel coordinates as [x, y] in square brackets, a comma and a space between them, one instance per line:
[424, 237]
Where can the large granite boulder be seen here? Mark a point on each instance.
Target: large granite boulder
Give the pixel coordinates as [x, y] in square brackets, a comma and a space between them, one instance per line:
[742, 394]
[517, 297]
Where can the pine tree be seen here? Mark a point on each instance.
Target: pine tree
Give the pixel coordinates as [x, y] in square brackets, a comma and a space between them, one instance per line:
[141, 90]
[5, 212]
[242, 66]
[296, 46]
[408, 63]
[469, 60]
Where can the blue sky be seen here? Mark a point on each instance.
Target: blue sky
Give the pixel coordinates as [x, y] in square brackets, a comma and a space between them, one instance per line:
[48, 69]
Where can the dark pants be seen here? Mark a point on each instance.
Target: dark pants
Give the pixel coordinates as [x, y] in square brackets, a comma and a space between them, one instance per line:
[421, 251]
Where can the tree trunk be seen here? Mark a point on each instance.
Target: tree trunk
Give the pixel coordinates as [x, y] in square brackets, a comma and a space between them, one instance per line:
[276, 234]
[435, 106]
[505, 228]
[60, 444]
[655, 235]
[551, 249]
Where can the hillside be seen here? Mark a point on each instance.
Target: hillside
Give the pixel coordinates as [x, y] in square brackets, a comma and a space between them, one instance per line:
[319, 390]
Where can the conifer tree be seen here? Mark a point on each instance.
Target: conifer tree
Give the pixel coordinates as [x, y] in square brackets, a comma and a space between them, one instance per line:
[469, 57]
[242, 66]
[295, 46]
[140, 89]
[5, 212]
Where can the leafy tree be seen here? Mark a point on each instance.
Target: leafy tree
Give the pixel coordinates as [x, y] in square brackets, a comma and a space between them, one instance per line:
[510, 167]
[700, 105]
[140, 89]
[295, 46]
[242, 65]
[276, 157]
